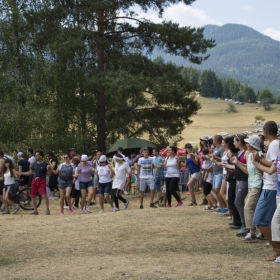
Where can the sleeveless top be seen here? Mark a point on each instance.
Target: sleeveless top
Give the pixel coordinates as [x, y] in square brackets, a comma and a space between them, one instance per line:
[255, 177]
[240, 175]
[8, 180]
[225, 159]
[193, 168]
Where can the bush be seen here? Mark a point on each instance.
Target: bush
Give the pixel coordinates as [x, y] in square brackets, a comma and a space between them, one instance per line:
[259, 118]
[231, 108]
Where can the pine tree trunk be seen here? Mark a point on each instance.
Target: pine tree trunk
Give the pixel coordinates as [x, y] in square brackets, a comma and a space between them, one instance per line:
[101, 123]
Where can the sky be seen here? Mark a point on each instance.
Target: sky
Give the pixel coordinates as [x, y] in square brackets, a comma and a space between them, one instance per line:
[261, 15]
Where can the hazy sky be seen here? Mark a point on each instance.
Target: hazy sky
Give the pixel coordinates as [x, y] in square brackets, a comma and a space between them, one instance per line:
[261, 15]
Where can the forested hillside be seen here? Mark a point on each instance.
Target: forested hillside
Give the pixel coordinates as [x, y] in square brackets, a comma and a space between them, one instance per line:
[243, 54]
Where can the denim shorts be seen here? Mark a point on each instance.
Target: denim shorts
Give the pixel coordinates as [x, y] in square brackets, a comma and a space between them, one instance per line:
[146, 182]
[11, 189]
[85, 185]
[265, 208]
[217, 181]
[158, 183]
[104, 188]
[63, 184]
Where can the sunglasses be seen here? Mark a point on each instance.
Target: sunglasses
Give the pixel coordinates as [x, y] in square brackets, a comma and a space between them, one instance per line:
[237, 137]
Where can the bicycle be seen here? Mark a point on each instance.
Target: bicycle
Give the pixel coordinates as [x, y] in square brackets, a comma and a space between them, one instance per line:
[24, 200]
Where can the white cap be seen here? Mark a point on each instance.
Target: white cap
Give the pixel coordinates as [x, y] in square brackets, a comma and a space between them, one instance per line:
[84, 158]
[102, 158]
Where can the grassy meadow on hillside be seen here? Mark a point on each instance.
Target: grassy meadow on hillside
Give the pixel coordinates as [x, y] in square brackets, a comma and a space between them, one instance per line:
[212, 118]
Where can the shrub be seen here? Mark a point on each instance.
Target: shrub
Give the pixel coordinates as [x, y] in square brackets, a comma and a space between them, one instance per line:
[231, 108]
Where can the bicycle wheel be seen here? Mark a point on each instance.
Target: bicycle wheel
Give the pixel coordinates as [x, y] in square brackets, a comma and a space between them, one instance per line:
[25, 201]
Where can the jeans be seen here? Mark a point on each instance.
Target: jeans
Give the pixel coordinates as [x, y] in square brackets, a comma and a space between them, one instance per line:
[241, 191]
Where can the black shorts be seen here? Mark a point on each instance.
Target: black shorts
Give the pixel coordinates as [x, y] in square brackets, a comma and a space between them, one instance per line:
[1, 186]
[53, 182]
[75, 193]
[23, 181]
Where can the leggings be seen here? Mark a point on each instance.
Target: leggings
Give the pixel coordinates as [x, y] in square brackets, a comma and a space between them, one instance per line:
[171, 187]
[117, 197]
[241, 192]
[231, 205]
[207, 188]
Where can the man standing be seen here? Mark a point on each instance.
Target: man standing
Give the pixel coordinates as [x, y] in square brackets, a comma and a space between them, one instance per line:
[40, 169]
[23, 166]
[218, 172]
[145, 166]
[7, 156]
[267, 202]
[157, 174]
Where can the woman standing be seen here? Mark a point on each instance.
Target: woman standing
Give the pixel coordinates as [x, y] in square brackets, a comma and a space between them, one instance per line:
[172, 177]
[54, 176]
[84, 172]
[105, 172]
[9, 191]
[121, 169]
[254, 186]
[65, 182]
[192, 161]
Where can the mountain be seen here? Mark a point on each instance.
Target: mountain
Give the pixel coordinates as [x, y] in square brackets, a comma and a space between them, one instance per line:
[241, 53]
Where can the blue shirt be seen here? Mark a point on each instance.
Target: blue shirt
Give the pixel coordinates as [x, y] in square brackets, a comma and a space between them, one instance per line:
[157, 161]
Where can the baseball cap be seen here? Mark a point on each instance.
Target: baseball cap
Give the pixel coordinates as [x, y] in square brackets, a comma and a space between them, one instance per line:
[20, 154]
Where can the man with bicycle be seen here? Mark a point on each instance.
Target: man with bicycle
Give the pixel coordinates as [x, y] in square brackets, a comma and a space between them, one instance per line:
[40, 169]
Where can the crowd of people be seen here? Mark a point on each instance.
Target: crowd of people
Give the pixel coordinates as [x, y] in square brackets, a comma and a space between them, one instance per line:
[239, 178]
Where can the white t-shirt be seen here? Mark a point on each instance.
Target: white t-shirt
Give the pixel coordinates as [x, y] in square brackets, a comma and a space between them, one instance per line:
[32, 159]
[270, 181]
[172, 168]
[120, 175]
[146, 171]
[77, 183]
[104, 173]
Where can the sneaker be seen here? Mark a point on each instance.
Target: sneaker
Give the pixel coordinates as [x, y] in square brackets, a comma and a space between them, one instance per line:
[51, 198]
[16, 208]
[235, 227]
[82, 211]
[168, 205]
[35, 212]
[125, 192]
[277, 260]
[267, 244]
[115, 209]
[92, 203]
[125, 206]
[66, 207]
[5, 212]
[141, 207]
[229, 217]
[223, 211]
[161, 199]
[204, 202]
[88, 209]
[74, 207]
[48, 212]
[55, 198]
[156, 202]
[217, 211]
[243, 231]
[250, 238]
[61, 213]
[71, 212]
[152, 205]
[260, 236]
[180, 203]
[101, 211]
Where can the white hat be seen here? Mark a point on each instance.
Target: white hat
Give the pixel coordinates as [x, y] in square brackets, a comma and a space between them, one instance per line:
[84, 158]
[204, 138]
[102, 158]
[254, 141]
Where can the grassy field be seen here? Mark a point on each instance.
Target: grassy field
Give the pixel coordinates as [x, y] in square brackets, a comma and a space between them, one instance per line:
[162, 243]
[212, 118]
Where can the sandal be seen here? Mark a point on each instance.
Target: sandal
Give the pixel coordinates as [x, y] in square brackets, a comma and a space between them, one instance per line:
[193, 202]
[207, 208]
[214, 207]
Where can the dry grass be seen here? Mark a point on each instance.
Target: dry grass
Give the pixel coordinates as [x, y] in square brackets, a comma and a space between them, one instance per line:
[212, 118]
[176, 243]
